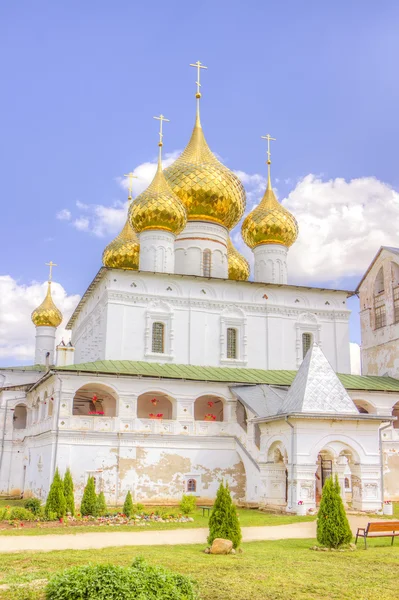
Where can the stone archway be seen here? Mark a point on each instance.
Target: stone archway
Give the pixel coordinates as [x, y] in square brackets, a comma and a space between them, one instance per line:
[275, 475]
[155, 405]
[94, 399]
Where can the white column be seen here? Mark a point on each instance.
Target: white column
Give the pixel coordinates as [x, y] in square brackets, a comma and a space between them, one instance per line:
[157, 251]
[45, 345]
[366, 487]
[190, 245]
[271, 263]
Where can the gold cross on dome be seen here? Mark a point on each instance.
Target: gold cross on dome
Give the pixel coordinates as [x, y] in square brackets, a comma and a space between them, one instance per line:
[161, 119]
[51, 265]
[198, 65]
[269, 139]
[130, 177]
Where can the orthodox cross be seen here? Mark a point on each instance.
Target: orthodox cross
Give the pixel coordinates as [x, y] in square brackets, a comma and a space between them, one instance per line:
[198, 65]
[269, 139]
[130, 177]
[51, 265]
[161, 119]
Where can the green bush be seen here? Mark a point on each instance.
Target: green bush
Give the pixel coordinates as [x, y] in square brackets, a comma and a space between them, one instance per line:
[333, 529]
[18, 513]
[68, 492]
[89, 500]
[101, 505]
[188, 504]
[51, 516]
[128, 505]
[223, 521]
[4, 514]
[34, 505]
[139, 507]
[110, 582]
[55, 502]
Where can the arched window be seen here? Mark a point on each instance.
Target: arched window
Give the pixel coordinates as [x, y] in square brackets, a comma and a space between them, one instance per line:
[347, 483]
[241, 414]
[231, 342]
[395, 413]
[191, 485]
[95, 400]
[379, 282]
[396, 304]
[306, 343]
[208, 408]
[19, 417]
[206, 263]
[158, 338]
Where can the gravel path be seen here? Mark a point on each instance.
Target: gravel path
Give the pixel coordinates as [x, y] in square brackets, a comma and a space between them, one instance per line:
[86, 541]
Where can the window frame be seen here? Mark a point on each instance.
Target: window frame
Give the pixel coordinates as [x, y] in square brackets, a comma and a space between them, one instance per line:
[306, 333]
[191, 483]
[231, 342]
[395, 296]
[207, 263]
[380, 316]
[154, 340]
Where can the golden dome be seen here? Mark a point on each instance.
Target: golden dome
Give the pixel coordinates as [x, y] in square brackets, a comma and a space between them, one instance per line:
[158, 207]
[238, 265]
[208, 190]
[269, 222]
[47, 314]
[123, 251]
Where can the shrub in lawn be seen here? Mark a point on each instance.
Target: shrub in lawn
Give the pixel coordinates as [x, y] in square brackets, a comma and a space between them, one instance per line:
[188, 504]
[4, 514]
[139, 507]
[68, 492]
[89, 500]
[18, 513]
[128, 505]
[223, 521]
[110, 582]
[51, 516]
[34, 505]
[55, 502]
[101, 505]
[333, 529]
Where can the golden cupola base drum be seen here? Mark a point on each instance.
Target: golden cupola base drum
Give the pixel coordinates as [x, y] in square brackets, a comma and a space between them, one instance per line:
[270, 229]
[238, 265]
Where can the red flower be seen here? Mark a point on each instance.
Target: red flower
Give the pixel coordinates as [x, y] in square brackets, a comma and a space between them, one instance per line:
[210, 404]
[154, 401]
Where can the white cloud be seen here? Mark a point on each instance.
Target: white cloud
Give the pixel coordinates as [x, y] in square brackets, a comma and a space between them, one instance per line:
[354, 350]
[17, 332]
[64, 215]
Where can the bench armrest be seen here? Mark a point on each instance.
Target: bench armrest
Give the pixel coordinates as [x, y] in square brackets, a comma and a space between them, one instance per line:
[361, 529]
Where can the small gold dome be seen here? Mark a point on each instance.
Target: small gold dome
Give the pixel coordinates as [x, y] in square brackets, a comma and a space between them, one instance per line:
[269, 222]
[123, 251]
[238, 265]
[158, 208]
[208, 190]
[47, 314]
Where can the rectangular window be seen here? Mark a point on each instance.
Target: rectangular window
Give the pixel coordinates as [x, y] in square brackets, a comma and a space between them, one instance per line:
[306, 343]
[380, 316]
[231, 342]
[396, 305]
[158, 335]
[206, 263]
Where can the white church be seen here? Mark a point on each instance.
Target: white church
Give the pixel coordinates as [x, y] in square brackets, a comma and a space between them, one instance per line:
[182, 372]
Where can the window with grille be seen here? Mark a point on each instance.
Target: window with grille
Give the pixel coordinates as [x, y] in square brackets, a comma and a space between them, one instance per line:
[306, 343]
[158, 336]
[191, 485]
[206, 263]
[396, 305]
[231, 342]
[380, 316]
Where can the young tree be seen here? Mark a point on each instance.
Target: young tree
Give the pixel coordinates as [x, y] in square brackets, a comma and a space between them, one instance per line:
[333, 529]
[128, 505]
[223, 522]
[89, 500]
[55, 503]
[68, 492]
[101, 505]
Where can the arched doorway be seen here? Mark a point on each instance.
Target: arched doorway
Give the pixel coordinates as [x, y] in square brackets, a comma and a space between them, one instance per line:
[20, 415]
[94, 399]
[277, 481]
[155, 405]
[336, 458]
[395, 413]
[208, 408]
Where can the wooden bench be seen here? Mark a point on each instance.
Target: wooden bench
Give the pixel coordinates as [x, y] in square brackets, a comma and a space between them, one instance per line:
[204, 508]
[379, 529]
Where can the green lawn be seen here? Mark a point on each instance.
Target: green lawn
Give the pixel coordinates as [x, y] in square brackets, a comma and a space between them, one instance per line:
[248, 518]
[280, 570]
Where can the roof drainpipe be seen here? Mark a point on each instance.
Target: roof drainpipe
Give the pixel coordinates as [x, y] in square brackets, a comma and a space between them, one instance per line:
[57, 430]
[292, 461]
[382, 462]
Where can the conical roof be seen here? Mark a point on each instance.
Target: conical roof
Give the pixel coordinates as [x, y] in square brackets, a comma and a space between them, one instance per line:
[317, 389]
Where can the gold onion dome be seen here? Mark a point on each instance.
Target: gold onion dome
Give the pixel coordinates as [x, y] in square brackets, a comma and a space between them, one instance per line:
[47, 314]
[208, 189]
[158, 207]
[238, 265]
[123, 251]
[269, 222]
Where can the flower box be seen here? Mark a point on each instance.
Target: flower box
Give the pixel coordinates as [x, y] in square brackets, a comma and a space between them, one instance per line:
[210, 417]
[387, 508]
[301, 509]
[158, 416]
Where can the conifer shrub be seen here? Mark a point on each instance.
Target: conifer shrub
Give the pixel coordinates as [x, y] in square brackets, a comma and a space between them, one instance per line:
[34, 505]
[188, 504]
[89, 500]
[55, 503]
[333, 528]
[101, 505]
[140, 581]
[68, 492]
[223, 521]
[128, 507]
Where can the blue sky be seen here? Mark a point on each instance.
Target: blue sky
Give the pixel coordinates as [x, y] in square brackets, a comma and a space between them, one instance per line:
[81, 82]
